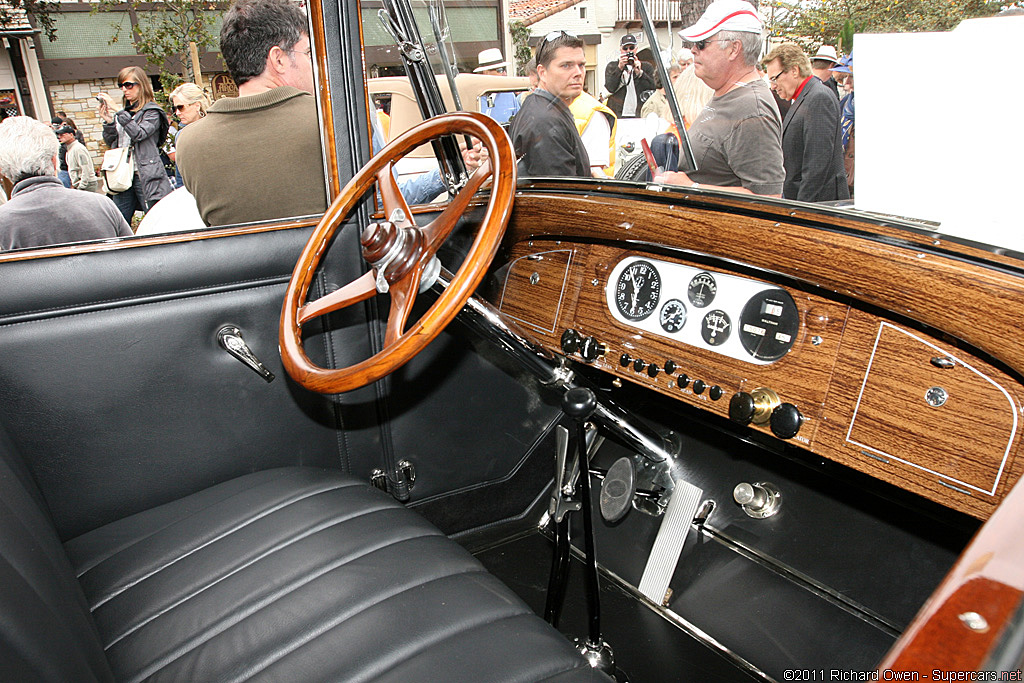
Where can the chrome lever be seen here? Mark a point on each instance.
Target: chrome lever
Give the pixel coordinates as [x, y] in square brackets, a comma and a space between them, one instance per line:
[230, 339]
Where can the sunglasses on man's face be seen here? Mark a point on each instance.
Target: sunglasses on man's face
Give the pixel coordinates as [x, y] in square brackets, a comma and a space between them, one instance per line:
[702, 44]
[127, 84]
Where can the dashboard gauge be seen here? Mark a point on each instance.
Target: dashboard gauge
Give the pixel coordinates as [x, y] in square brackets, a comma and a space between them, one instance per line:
[716, 327]
[769, 324]
[702, 289]
[638, 290]
[673, 315]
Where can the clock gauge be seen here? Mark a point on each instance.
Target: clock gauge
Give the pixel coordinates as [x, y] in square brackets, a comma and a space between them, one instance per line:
[638, 290]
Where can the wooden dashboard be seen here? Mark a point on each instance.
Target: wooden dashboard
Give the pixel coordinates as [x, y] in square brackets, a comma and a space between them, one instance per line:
[885, 392]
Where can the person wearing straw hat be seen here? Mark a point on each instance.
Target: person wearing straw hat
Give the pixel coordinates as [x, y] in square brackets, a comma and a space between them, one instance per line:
[821, 65]
[500, 106]
[737, 138]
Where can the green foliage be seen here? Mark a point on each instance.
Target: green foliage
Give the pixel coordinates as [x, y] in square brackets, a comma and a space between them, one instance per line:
[834, 22]
[40, 10]
[520, 45]
[165, 35]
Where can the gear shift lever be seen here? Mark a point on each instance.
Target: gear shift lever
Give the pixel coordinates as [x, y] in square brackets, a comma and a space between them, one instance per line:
[579, 404]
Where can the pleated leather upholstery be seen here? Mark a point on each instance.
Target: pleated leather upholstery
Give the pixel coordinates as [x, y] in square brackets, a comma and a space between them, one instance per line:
[300, 574]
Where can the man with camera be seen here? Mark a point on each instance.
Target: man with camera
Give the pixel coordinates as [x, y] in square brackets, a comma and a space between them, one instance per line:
[628, 80]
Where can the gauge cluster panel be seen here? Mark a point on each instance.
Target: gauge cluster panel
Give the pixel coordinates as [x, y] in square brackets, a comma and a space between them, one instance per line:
[743, 319]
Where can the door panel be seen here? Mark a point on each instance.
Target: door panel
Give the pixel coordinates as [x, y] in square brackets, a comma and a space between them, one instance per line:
[115, 388]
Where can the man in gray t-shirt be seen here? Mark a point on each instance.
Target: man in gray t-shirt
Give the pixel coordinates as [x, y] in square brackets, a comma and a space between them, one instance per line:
[737, 139]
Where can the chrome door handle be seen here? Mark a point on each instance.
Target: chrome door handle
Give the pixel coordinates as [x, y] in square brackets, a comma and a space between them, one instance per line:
[230, 339]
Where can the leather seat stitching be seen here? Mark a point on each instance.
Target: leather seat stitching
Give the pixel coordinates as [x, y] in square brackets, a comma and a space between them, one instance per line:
[322, 526]
[355, 611]
[240, 615]
[96, 561]
[121, 589]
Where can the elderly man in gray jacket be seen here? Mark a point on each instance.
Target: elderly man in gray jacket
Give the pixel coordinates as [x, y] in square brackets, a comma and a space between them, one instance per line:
[41, 211]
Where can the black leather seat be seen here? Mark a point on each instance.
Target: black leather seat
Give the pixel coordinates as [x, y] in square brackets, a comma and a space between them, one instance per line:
[293, 574]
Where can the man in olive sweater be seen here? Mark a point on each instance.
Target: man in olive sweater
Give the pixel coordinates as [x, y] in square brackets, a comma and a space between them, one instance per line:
[258, 156]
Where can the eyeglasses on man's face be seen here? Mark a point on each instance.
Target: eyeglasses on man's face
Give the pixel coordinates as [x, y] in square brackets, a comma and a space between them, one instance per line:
[775, 78]
[127, 84]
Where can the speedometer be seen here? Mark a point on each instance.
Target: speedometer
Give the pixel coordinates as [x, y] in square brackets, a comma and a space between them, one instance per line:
[769, 324]
[638, 290]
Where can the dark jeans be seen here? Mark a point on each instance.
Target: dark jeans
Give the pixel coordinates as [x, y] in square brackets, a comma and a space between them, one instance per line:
[131, 200]
[65, 178]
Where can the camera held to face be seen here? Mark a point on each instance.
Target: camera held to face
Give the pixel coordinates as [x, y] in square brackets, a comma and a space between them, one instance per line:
[630, 58]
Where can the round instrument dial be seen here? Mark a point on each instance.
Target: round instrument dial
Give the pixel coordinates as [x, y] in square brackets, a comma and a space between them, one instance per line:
[702, 290]
[673, 315]
[769, 324]
[716, 327]
[638, 290]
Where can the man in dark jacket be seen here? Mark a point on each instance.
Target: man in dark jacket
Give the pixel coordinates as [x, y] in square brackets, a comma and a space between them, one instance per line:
[41, 210]
[628, 79]
[812, 147]
[544, 132]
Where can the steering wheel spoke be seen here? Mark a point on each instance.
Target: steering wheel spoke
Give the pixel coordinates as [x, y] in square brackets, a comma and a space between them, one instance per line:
[403, 251]
[392, 196]
[403, 297]
[358, 290]
[435, 232]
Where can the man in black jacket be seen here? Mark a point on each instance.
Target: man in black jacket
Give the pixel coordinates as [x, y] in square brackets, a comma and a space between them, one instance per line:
[627, 79]
[543, 132]
[812, 146]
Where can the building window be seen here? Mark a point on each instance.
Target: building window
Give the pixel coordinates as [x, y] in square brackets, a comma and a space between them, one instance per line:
[583, 12]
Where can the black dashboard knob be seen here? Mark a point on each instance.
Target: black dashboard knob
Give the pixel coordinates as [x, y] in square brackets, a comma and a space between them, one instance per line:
[625, 360]
[571, 341]
[590, 349]
[652, 370]
[715, 392]
[639, 365]
[786, 421]
[699, 386]
[741, 408]
[670, 366]
[683, 380]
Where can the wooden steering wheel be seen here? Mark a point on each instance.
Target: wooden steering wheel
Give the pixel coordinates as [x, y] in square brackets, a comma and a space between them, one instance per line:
[399, 252]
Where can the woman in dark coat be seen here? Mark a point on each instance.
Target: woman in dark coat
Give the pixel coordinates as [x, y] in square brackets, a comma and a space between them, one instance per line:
[142, 124]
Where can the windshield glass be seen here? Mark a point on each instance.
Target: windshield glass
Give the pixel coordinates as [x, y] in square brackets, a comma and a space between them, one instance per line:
[766, 110]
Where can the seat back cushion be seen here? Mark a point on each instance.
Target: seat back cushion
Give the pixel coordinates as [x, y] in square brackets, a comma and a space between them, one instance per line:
[46, 632]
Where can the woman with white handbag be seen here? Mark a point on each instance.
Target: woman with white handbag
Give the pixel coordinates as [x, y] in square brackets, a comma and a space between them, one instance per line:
[134, 134]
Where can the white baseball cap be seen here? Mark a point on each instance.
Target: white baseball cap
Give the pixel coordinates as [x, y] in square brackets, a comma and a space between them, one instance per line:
[724, 15]
[491, 58]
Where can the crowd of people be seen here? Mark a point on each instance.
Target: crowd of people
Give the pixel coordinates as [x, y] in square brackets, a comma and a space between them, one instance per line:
[773, 126]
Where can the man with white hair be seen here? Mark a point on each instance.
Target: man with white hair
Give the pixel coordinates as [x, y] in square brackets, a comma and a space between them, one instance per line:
[737, 139]
[501, 106]
[41, 211]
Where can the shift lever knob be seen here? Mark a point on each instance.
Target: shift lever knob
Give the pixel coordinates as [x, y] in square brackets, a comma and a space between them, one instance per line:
[579, 403]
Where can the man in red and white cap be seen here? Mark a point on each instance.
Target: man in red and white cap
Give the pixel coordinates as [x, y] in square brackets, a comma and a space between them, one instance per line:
[737, 139]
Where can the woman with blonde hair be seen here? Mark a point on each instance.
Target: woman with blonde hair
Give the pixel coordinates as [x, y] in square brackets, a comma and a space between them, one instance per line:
[141, 124]
[189, 103]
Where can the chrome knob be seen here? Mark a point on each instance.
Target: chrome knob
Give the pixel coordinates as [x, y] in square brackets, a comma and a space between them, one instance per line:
[758, 500]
